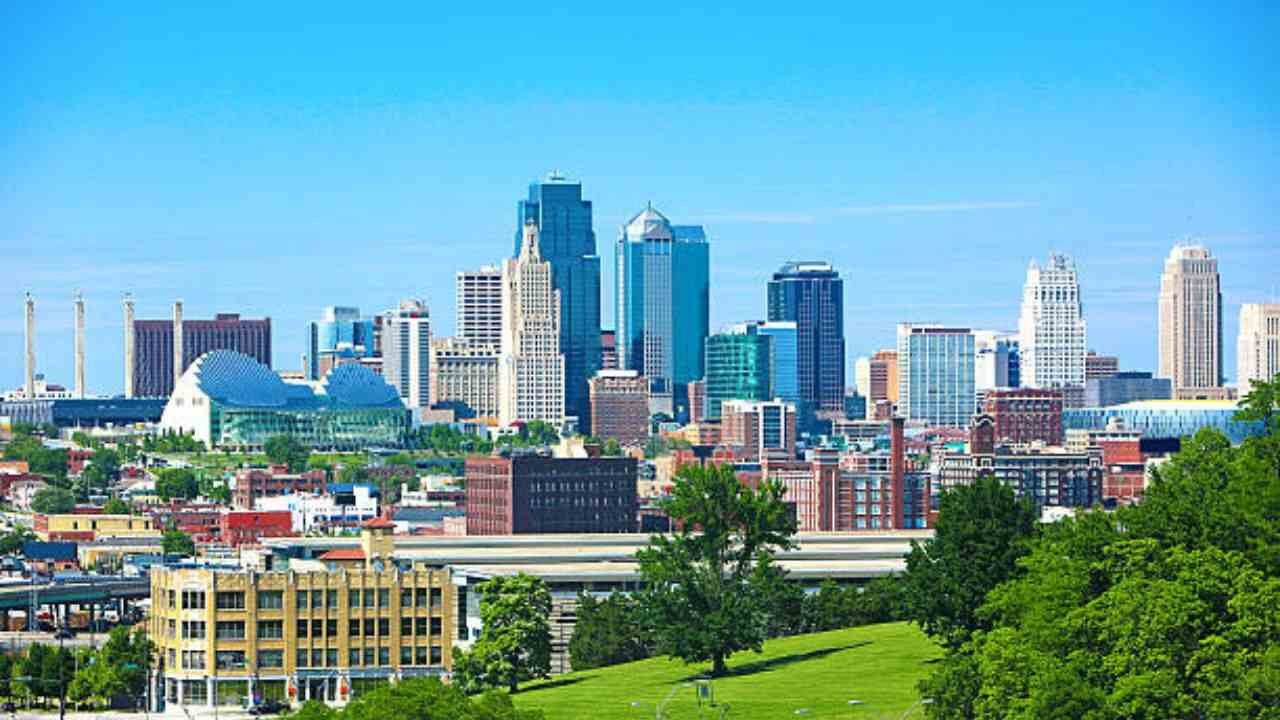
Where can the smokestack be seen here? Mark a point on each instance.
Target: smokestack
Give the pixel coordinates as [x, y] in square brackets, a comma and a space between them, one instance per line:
[177, 342]
[29, 386]
[128, 345]
[79, 345]
[897, 467]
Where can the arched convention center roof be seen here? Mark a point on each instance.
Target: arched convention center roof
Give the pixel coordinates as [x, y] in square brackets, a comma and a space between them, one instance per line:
[233, 379]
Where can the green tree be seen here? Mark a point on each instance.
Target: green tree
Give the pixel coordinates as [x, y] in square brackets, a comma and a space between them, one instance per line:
[982, 530]
[48, 462]
[116, 506]
[6, 673]
[216, 489]
[515, 640]
[611, 448]
[607, 632]
[176, 542]
[706, 585]
[287, 450]
[176, 483]
[401, 460]
[53, 500]
[12, 541]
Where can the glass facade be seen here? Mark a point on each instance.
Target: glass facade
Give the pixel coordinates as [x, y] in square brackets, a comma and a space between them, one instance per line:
[663, 306]
[811, 294]
[567, 240]
[936, 374]
[738, 364]
[1166, 419]
[340, 333]
[785, 368]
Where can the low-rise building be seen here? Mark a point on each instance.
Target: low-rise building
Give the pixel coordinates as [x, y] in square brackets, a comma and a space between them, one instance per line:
[1025, 415]
[1125, 387]
[754, 428]
[345, 506]
[249, 527]
[619, 406]
[253, 484]
[89, 526]
[536, 494]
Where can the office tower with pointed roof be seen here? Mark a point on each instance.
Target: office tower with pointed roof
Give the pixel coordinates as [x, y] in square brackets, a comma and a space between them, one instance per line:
[1190, 319]
[663, 308]
[531, 367]
[568, 242]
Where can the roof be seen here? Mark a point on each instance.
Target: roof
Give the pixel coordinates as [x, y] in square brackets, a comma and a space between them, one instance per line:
[379, 523]
[237, 380]
[648, 223]
[37, 550]
[343, 554]
[256, 518]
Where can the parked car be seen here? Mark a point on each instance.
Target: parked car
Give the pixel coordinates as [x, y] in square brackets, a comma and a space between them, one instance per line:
[267, 707]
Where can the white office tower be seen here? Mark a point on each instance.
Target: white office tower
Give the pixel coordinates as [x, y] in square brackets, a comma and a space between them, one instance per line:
[531, 366]
[1051, 329]
[406, 352]
[1258, 346]
[1190, 319]
[862, 376]
[479, 304]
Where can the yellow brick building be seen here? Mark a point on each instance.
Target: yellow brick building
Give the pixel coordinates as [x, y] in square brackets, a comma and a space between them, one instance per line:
[72, 525]
[227, 635]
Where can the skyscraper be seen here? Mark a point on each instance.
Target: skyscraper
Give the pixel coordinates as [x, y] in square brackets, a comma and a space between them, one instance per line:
[154, 351]
[568, 242]
[738, 366]
[935, 374]
[883, 377]
[996, 363]
[1190, 319]
[339, 332]
[784, 369]
[1258, 346]
[406, 352]
[811, 294]
[464, 377]
[663, 307]
[1051, 329]
[479, 306]
[531, 367]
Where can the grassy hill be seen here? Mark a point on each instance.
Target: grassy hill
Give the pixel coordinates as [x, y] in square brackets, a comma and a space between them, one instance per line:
[815, 674]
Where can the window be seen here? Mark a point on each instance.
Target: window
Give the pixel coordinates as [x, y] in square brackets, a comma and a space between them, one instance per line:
[230, 630]
[331, 657]
[353, 599]
[436, 597]
[317, 628]
[302, 658]
[421, 625]
[302, 600]
[230, 601]
[369, 627]
[353, 628]
[193, 659]
[421, 655]
[406, 598]
[406, 655]
[422, 597]
[384, 656]
[331, 628]
[368, 657]
[229, 659]
[436, 626]
[193, 599]
[270, 658]
[317, 658]
[406, 626]
[353, 657]
[270, 629]
[317, 599]
[302, 628]
[270, 600]
[384, 627]
[193, 629]
[437, 655]
[384, 598]
[331, 598]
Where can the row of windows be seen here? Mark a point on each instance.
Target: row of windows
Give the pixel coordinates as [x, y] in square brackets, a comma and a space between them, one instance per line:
[274, 599]
[274, 629]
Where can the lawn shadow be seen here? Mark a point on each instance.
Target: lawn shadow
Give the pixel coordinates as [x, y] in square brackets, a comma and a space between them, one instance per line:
[549, 684]
[780, 661]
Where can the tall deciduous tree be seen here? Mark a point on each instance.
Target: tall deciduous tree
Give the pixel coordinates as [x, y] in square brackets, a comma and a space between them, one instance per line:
[982, 530]
[706, 586]
[515, 640]
[53, 500]
[176, 542]
[607, 632]
[286, 450]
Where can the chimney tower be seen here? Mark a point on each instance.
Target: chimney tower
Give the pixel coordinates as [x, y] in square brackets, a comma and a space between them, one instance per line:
[79, 344]
[29, 386]
[177, 342]
[129, 340]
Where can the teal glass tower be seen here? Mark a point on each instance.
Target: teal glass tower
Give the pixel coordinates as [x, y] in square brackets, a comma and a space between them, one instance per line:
[739, 363]
[811, 294]
[663, 306]
[568, 242]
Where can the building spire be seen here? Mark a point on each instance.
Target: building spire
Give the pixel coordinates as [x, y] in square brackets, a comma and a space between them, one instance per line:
[529, 249]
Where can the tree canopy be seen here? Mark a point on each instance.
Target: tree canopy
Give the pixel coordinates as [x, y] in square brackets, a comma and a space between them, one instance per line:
[706, 586]
[178, 483]
[176, 542]
[287, 450]
[53, 500]
[515, 640]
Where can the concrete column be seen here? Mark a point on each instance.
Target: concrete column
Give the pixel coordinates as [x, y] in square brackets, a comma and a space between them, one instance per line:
[177, 343]
[128, 345]
[29, 385]
[79, 342]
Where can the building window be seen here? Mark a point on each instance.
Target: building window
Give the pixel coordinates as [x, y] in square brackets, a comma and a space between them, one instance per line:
[421, 624]
[331, 597]
[353, 657]
[302, 600]
[230, 630]
[193, 599]
[302, 628]
[384, 656]
[437, 655]
[331, 657]
[436, 626]
[230, 601]
[406, 655]
[353, 628]
[353, 599]
[406, 626]
[229, 659]
[368, 657]
[317, 657]
[270, 629]
[270, 658]
[384, 627]
[302, 658]
[420, 653]
[193, 629]
[317, 628]
[369, 627]
[406, 598]
[331, 628]
[270, 600]
[193, 659]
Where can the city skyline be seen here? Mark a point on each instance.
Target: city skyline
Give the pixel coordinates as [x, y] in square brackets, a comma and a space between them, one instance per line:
[134, 167]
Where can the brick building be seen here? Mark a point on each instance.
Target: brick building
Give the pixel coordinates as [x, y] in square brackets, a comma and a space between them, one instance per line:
[620, 406]
[536, 494]
[202, 521]
[247, 527]
[754, 428]
[1026, 415]
[153, 372]
[276, 480]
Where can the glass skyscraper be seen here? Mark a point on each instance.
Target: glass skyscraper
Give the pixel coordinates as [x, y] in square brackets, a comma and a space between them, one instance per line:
[936, 374]
[663, 306]
[568, 242]
[339, 333]
[785, 369]
[738, 366]
[811, 294]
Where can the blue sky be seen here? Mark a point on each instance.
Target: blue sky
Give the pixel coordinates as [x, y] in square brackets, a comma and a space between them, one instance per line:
[271, 159]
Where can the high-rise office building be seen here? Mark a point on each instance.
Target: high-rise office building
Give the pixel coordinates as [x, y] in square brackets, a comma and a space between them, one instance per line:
[1100, 366]
[1051, 329]
[935, 374]
[1258, 345]
[996, 363]
[531, 367]
[568, 242]
[1190, 319]
[620, 406]
[739, 361]
[784, 370]
[406, 352]
[153, 347]
[811, 294]
[758, 428]
[464, 377]
[883, 377]
[862, 376]
[339, 333]
[479, 306]
[663, 305]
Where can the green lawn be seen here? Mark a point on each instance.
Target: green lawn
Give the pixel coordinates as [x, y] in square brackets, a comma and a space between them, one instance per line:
[815, 674]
